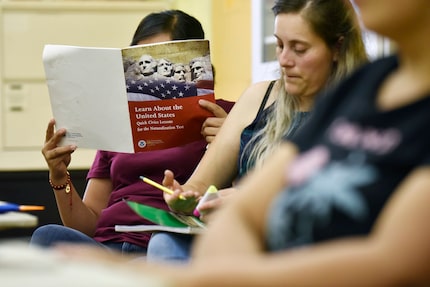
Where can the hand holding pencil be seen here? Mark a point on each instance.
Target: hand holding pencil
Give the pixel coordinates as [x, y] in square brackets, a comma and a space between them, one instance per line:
[177, 197]
[159, 186]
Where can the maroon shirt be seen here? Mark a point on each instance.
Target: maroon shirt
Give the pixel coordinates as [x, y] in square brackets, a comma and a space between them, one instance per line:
[125, 169]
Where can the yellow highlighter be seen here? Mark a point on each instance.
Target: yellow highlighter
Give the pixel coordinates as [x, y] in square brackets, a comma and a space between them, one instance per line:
[159, 186]
[211, 193]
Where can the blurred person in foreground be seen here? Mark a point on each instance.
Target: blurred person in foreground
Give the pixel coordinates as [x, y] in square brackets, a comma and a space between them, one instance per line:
[346, 202]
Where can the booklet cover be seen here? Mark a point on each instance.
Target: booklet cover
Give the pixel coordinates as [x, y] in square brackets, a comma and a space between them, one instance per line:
[163, 220]
[134, 99]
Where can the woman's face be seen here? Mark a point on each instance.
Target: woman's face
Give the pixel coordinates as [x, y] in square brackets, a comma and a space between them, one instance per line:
[305, 59]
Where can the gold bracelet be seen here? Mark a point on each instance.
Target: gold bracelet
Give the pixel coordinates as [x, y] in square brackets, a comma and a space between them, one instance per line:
[62, 186]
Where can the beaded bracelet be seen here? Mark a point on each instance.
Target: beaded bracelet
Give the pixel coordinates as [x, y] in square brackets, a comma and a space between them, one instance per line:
[62, 186]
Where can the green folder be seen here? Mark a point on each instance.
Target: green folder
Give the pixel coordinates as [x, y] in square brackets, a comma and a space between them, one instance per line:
[165, 218]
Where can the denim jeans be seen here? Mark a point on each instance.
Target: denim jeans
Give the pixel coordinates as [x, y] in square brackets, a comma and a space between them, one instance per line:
[165, 246]
[51, 234]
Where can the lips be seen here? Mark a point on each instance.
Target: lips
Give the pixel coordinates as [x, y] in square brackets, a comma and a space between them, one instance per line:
[290, 74]
[288, 78]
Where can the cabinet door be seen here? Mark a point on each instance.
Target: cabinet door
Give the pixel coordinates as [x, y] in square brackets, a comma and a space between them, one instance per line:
[26, 114]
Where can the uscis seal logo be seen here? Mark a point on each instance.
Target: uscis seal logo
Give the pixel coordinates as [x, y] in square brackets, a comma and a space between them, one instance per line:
[142, 143]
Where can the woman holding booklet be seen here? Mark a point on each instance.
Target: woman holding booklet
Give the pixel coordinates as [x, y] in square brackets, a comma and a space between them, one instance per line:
[318, 44]
[116, 176]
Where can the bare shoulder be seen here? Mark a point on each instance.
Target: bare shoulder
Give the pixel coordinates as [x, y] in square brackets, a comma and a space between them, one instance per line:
[246, 107]
[252, 97]
[256, 90]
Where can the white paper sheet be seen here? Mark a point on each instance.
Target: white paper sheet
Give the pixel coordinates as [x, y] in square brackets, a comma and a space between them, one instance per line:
[86, 84]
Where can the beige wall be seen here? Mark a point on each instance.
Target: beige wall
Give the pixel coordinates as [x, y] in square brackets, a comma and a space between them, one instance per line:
[227, 24]
[231, 20]
[201, 9]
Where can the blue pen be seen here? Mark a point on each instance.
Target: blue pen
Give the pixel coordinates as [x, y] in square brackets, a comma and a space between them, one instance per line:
[6, 207]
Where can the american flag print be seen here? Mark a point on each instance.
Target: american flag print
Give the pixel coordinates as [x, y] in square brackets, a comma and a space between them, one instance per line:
[162, 88]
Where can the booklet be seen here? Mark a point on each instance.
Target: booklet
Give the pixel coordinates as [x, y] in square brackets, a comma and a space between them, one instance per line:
[163, 220]
[135, 99]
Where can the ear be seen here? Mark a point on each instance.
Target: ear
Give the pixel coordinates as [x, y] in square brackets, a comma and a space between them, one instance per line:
[338, 48]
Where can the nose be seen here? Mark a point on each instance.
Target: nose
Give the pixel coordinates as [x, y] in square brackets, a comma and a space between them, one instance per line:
[286, 58]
